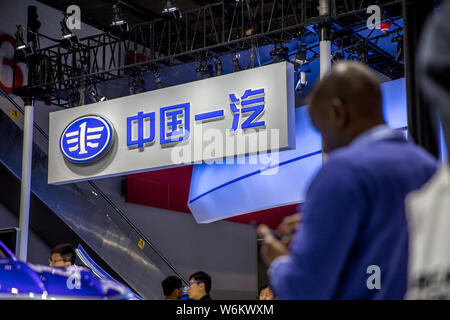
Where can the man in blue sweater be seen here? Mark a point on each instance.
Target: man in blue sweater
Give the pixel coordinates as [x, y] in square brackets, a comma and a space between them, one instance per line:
[352, 242]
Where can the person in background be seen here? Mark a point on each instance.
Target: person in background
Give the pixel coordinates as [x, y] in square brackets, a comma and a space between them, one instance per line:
[352, 240]
[266, 293]
[63, 255]
[172, 288]
[428, 208]
[199, 286]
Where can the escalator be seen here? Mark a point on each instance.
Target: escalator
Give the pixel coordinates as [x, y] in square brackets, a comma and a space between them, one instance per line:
[91, 215]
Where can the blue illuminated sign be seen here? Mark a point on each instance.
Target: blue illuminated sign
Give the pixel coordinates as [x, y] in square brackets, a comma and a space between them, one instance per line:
[174, 123]
[139, 120]
[86, 139]
[215, 120]
[252, 101]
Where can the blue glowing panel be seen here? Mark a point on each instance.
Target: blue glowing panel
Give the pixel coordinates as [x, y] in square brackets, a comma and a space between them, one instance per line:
[220, 191]
[394, 103]
[264, 181]
[443, 154]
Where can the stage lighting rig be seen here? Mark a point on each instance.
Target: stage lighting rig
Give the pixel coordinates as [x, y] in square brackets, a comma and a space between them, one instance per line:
[364, 56]
[93, 93]
[236, 64]
[300, 57]
[157, 79]
[218, 65]
[136, 84]
[118, 24]
[204, 69]
[171, 11]
[23, 50]
[399, 40]
[21, 45]
[280, 54]
[73, 98]
[68, 37]
[302, 80]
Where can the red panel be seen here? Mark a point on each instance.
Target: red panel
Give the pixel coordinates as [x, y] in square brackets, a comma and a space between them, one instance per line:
[165, 189]
[271, 217]
[169, 189]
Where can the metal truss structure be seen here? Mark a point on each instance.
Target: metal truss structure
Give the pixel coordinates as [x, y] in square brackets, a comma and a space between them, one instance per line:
[210, 31]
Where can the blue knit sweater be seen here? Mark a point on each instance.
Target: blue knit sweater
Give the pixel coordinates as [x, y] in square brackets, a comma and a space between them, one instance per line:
[354, 218]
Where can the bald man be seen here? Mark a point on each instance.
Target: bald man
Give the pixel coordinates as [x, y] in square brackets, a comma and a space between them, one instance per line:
[352, 241]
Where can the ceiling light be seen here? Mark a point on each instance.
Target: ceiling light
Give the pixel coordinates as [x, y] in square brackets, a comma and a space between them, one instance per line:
[171, 11]
[236, 65]
[300, 57]
[280, 54]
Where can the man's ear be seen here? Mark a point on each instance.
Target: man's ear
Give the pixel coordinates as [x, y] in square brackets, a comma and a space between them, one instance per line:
[339, 112]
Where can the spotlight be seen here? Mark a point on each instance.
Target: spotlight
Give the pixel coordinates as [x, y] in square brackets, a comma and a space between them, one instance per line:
[399, 40]
[218, 65]
[204, 69]
[280, 54]
[73, 98]
[337, 57]
[157, 79]
[22, 49]
[171, 11]
[300, 57]
[236, 65]
[19, 39]
[118, 23]
[136, 84]
[97, 98]
[302, 81]
[199, 74]
[363, 56]
[66, 33]
[68, 37]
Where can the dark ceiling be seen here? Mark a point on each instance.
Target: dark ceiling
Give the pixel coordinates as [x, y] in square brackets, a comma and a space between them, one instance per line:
[98, 13]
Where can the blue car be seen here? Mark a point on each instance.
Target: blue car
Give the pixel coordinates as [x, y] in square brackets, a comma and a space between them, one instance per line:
[19, 280]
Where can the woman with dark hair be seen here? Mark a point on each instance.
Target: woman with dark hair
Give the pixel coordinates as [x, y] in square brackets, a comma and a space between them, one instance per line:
[266, 293]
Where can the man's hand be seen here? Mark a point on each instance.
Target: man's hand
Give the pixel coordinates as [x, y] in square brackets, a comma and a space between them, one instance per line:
[271, 247]
[287, 228]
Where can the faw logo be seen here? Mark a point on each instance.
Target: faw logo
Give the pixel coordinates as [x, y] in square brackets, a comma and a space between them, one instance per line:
[86, 139]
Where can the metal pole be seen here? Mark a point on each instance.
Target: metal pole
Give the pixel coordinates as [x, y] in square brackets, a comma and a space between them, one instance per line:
[325, 43]
[26, 180]
[325, 48]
